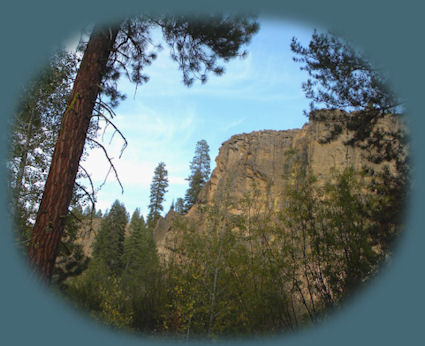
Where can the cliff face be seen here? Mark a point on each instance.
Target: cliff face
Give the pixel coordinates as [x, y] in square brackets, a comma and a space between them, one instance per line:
[260, 160]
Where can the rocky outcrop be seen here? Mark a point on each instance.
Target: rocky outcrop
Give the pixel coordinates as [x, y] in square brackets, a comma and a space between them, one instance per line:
[261, 160]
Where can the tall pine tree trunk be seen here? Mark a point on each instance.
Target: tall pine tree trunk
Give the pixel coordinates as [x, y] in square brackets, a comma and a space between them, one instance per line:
[50, 222]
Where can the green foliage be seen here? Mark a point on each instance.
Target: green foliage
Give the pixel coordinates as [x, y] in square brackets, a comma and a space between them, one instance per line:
[71, 260]
[158, 189]
[332, 244]
[34, 131]
[198, 42]
[101, 293]
[340, 77]
[84, 289]
[179, 206]
[224, 280]
[109, 242]
[140, 260]
[114, 306]
[200, 173]
[253, 272]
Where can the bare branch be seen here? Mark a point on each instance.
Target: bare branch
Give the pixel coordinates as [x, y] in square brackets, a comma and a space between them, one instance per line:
[104, 105]
[111, 165]
[89, 195]
[92, 210]
[108, 121]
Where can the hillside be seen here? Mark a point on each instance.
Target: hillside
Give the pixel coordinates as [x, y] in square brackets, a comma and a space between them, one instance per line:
[261, 161]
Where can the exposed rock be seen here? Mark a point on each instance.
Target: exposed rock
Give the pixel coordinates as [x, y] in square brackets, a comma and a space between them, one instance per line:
[260, 160]
[162, 229]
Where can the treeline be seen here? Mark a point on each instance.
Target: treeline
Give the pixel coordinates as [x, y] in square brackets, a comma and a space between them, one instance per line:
[123, 283]
[255, 272]
[260, 271]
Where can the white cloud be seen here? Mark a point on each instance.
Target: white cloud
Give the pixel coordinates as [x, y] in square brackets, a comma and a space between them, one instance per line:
[163, 121]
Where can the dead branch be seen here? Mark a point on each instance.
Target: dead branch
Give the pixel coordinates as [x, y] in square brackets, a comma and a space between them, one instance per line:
[111, 165]
[91, 184]
[93, 203]
[108, 121]
[103, 105]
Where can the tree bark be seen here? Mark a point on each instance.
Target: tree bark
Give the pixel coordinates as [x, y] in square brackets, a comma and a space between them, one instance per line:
[50, 222]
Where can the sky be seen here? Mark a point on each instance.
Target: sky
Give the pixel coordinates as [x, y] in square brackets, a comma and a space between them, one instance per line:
[163, 120]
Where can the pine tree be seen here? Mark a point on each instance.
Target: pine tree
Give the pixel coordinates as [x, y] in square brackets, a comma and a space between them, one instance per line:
[132, 244]
[109, 243]
[158, 190]
[197, 44]
[340, 77]
[34, 132]
[179, 206]
[200, 173]
[71, 260]
[141, 272]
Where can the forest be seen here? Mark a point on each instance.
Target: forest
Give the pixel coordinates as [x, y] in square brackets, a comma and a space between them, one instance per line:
[258, 272]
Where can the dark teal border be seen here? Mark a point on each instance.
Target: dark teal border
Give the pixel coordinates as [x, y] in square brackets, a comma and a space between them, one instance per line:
[389, 312]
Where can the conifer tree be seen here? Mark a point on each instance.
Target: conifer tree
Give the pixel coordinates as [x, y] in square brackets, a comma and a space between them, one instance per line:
[158, 189]
[179, 206]
[109, 243]
[340, 77]
[141, 271]
[34, 132]
[200, 173]
[71, 260]
[133, 244]
[198, 44]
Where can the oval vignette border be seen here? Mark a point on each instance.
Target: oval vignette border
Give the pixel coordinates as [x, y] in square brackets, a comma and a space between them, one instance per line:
[388, 312]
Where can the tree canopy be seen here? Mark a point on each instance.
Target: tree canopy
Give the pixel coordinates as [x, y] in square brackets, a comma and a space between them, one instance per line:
[341, 78]
[199, 173]
[109, 244]
[158, 189]
[198, 44]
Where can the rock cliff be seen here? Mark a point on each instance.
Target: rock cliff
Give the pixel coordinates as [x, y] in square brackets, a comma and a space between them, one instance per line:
[260, 160]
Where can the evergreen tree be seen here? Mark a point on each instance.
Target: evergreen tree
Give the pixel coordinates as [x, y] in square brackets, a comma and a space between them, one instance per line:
[341, 78]
[71, 260]
[35, 129]
[34, 132]
[179, 206]
[133, 242]
[197, 44]
[199, 173]
[158, 190]
[141, 272]
[109, 243]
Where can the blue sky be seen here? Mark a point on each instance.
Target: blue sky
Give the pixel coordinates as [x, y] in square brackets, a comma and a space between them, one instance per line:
[163, 119]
